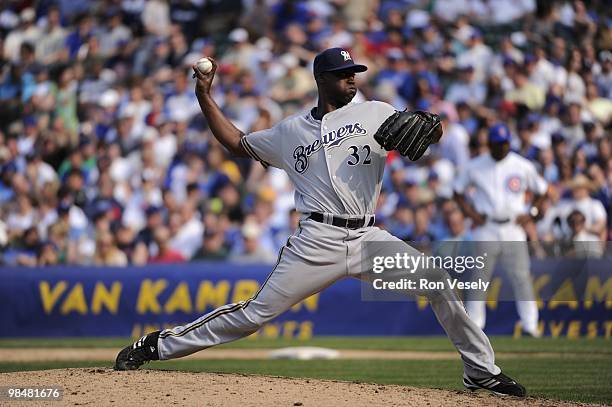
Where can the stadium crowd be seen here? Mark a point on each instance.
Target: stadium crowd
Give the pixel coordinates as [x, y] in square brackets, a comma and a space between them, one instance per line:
[105, 158]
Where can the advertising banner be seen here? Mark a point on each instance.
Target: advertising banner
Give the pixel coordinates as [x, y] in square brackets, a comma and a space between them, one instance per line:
[575, 300]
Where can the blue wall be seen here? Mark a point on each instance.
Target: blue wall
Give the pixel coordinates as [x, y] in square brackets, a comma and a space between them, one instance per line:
[89, 301]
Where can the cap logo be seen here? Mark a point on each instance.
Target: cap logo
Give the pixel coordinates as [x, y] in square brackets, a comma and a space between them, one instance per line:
[346, 55]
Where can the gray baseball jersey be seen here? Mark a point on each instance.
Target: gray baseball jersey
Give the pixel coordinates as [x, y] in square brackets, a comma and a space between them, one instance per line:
[335, 164]
[336, 167]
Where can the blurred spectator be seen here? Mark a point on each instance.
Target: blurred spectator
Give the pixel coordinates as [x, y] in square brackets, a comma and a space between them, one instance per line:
[26, 32]
[456, 227]
[213, 246]
[50, 48]
[49, 255]
[165, 254]
[421, 234]
[599, 107]
[466, 88]
[25, 251]
[241, 53]
[107, 253]
[4, 238]
[401, 223]
[547, 166]
[295, 84]
[477, 55]
[144, 242]
[525, 92]
[124, 240]
[583, 243]
[592, 209]
[252, 251]
[189, 231]
[454, 145]
[156, 17]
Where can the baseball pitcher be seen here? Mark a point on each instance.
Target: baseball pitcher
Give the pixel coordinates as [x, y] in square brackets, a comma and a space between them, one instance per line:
[335, 155]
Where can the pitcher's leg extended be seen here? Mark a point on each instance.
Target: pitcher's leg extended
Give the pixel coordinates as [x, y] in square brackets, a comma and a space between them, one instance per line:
[468, 338]
[480, 370]
[291, 281]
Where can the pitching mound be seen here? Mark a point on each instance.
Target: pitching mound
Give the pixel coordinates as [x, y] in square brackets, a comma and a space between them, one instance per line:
[105, 387]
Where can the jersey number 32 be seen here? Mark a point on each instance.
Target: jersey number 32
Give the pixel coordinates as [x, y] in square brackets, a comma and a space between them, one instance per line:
[358, 156]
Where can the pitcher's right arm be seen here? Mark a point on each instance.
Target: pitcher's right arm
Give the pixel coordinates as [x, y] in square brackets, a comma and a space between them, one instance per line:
[221, 127]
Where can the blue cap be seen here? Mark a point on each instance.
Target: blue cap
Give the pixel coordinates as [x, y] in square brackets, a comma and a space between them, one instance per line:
[335, 59]
[64, 207]
[499, 133]
[588, 126]
[533, 117]
[552, 99]
[103, 206]
[9, 167]
[152, 210]
[84, 141]
[29, 121]
[508, 60]
[403, 202]
[557, 137]
[465, 67]
[476, 33]
[422, 104]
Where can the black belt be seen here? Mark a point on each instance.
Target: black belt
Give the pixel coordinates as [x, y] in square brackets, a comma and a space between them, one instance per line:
[500, 221]
[348, 223]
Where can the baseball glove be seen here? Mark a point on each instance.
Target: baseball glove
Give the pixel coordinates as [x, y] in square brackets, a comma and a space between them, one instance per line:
[410, 133]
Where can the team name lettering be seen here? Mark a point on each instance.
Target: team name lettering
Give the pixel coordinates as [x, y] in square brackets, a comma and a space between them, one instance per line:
[330, 139]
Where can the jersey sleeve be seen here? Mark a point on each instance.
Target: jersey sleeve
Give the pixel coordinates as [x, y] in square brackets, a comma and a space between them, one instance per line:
[382, 110]
[462, 180]
[264, 147]
[535, 182]
[377, 113]
[599, 212]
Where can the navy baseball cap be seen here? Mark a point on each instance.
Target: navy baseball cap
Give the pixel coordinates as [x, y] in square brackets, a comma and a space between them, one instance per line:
[64, 207]
[152, 210]
[499, 133]
[335, 59]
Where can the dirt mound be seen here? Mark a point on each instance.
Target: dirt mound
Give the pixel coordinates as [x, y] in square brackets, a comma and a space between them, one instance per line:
[105, 387]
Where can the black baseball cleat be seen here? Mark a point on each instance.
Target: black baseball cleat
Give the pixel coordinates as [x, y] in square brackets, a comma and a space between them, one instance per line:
[142, 351]
[500, 384]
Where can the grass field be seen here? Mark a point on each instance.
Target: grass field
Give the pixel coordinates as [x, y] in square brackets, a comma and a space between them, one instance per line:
[578, 370]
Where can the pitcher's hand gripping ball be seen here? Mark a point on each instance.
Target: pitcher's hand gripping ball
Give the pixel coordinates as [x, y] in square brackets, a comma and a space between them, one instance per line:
[410, 133]
[204, 65]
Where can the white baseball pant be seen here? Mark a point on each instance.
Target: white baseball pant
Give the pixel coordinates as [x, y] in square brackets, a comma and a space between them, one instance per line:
[506, 243]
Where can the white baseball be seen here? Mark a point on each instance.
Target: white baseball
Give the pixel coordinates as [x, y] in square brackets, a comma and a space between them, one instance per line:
[204, 65]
